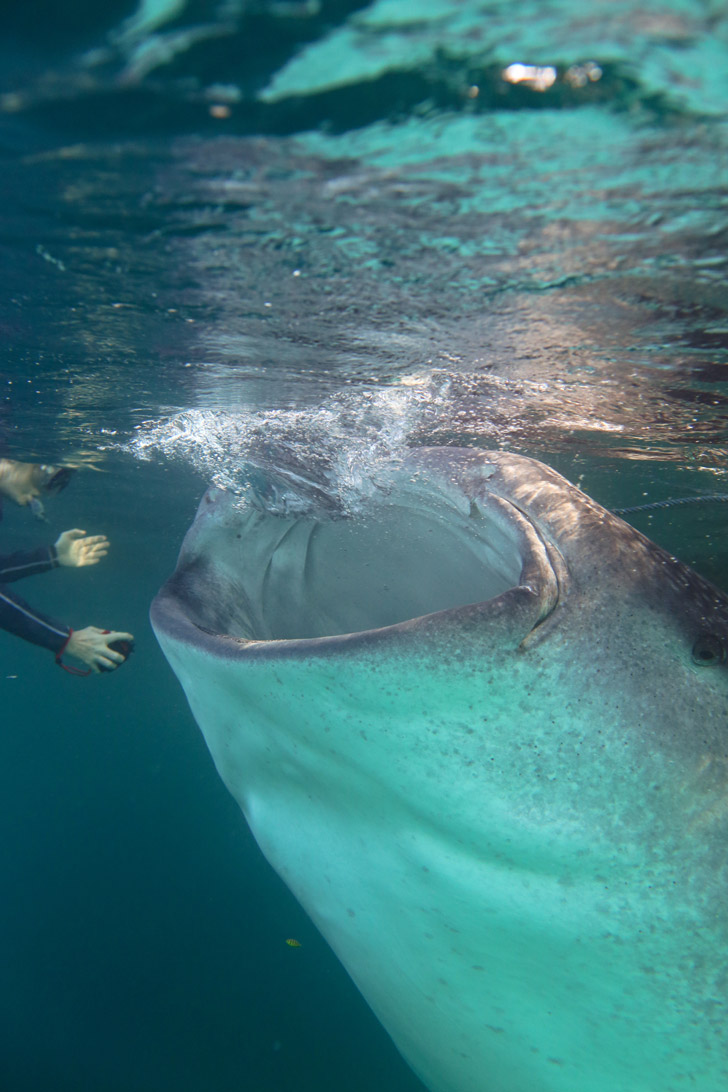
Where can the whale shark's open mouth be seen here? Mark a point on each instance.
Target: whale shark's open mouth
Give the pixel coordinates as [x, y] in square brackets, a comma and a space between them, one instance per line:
[421, 548]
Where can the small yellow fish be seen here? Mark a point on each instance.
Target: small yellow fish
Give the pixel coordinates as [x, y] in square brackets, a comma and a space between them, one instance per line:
[293, 943]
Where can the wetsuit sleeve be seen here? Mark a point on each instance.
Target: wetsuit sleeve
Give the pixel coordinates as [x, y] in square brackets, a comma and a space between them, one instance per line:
[19, 618]
[27, 563]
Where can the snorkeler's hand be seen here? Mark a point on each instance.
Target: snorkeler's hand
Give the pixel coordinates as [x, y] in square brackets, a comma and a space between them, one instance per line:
[91, 645]
[76, 548]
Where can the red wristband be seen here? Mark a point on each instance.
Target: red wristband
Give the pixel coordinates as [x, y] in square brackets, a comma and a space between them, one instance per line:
[67, 667]
[63, 647]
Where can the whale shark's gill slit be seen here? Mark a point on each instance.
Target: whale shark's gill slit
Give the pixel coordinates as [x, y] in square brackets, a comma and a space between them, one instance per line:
[307, 558]
[264, 590]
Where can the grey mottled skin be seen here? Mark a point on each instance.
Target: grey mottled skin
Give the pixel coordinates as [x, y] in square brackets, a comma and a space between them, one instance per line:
[481, 730]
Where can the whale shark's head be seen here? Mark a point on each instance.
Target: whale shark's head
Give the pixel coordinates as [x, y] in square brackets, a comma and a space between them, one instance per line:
[480, 727]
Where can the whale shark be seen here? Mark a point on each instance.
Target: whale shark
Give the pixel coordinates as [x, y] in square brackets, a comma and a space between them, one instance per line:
[479, 726]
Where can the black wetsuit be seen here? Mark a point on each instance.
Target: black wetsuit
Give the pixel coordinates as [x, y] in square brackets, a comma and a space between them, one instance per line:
[17, 616]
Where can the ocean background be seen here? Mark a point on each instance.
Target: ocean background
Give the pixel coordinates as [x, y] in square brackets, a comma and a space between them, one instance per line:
[281, 240]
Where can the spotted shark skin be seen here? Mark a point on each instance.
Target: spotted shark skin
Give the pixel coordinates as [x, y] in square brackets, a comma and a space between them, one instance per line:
[481, 731]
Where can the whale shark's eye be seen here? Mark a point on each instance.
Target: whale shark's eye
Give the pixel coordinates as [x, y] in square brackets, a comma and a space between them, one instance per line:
[708, 650]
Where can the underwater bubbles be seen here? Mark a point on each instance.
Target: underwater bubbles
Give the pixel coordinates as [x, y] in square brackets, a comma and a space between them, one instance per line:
[325, 458]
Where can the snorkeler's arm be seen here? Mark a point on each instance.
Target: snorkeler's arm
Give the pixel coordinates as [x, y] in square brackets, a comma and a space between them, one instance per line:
[22, 620]
[73, 548]
[27, 563]
[90, 645]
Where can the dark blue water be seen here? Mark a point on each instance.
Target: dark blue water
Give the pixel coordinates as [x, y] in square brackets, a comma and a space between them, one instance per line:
[290, 238]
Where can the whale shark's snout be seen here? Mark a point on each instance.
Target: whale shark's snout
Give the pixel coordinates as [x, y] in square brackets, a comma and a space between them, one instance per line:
[480, 728]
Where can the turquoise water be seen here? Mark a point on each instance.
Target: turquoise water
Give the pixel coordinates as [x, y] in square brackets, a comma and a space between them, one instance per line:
[282, 241]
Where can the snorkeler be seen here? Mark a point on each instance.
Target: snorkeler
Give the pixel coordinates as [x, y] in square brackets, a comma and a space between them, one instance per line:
[100, 650]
